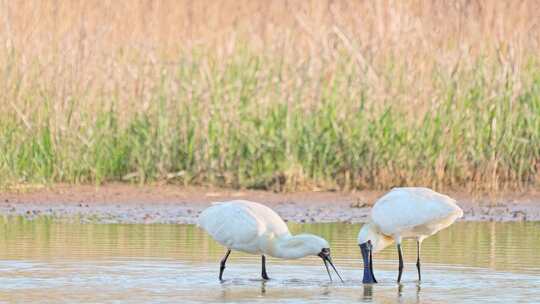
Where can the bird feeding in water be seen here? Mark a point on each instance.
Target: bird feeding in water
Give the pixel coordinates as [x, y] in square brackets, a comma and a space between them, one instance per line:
[254, 228]
[404, 213]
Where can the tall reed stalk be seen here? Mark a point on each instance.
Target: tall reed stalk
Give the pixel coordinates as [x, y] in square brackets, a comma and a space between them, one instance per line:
[280, 95]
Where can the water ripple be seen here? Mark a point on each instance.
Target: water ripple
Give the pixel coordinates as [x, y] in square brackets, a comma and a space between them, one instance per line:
[467, 263]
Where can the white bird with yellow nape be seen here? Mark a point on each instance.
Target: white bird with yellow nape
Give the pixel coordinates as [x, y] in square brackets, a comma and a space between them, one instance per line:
[254, 228]
[411, 212]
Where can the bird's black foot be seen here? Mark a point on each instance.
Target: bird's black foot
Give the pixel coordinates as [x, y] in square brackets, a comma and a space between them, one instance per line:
[264, 275]
[419, 275]
[400, 268]
[222, 265]
[221, 269]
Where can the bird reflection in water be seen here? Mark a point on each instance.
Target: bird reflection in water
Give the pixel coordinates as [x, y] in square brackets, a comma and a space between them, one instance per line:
[263, 287]
[368, 293]
[418, 288]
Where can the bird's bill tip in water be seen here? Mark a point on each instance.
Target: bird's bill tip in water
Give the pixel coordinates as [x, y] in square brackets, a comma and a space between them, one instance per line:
[325, 256]
[366, 249]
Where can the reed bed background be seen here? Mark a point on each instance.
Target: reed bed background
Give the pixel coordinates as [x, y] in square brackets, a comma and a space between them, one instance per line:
[281, 95]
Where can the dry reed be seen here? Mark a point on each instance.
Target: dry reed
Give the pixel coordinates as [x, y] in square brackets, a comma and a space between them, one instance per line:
[271, 94]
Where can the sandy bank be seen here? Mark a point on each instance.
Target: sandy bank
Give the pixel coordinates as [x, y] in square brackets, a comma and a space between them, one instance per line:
[120, 203]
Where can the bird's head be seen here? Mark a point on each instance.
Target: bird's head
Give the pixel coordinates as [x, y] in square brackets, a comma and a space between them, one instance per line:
[309, 244]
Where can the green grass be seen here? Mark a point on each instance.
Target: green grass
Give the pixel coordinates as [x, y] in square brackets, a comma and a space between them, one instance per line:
[256, 121]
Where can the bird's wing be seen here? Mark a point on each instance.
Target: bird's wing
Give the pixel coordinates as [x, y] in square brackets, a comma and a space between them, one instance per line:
[231, 224]
[272, 221]
[404, 208]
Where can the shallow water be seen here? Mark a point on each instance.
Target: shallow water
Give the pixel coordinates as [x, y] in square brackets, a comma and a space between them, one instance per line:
[43, 260]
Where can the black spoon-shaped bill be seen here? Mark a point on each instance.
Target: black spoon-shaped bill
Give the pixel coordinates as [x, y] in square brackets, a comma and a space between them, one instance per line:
[366, 249]
[325, 256]
[327, 269]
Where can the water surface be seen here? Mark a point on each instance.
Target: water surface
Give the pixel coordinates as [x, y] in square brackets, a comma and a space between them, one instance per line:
[44, 260]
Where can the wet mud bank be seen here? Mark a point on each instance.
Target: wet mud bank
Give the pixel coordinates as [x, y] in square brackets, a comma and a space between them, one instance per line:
[174, 205]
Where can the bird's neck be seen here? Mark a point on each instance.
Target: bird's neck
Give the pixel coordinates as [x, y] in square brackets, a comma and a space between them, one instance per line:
[288, 247]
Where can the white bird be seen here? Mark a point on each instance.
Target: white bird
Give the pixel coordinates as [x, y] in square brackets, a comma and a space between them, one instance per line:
[254, 228]
[404, 213]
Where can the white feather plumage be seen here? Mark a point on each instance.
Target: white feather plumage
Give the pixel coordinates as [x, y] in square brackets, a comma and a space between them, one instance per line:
[414, 212]
[254, 228]
[411, 212]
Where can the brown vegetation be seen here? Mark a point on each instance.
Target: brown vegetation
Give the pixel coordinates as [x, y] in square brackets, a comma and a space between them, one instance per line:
[271, 94]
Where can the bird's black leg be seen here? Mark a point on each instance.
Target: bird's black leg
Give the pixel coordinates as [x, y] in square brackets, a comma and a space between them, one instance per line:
[418, 259]
[400, 254]
[222, 264]
[263, 273]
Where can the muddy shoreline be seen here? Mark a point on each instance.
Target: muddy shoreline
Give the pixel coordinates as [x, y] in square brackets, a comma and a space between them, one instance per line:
[121, 203]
